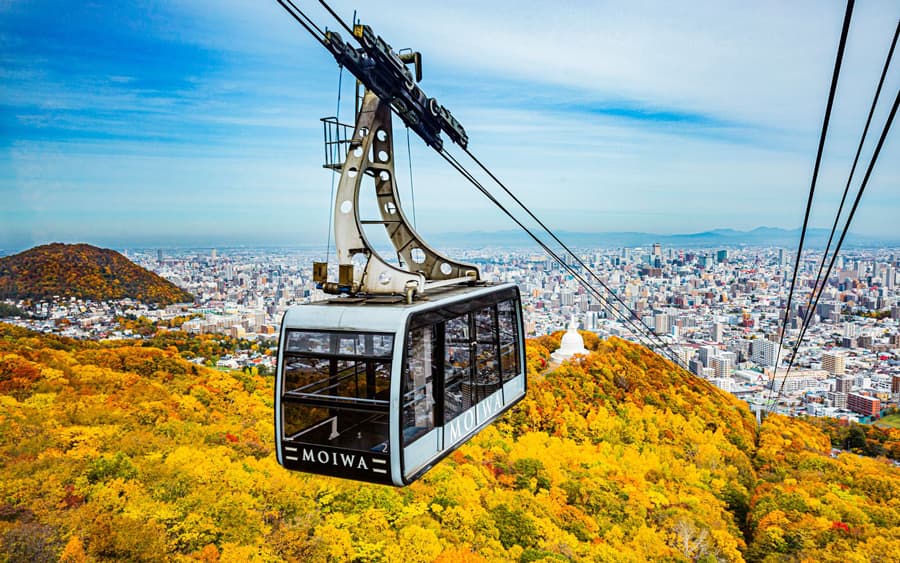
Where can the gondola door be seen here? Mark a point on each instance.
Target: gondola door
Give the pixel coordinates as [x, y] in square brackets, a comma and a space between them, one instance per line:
[473, 394]
[420, 436]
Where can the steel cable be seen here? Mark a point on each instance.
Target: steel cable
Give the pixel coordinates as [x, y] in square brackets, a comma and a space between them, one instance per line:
[816, 292]
[862, 187]
[812, 187]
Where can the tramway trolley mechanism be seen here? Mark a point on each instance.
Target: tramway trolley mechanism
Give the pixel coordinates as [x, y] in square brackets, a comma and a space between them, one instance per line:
[405, 363]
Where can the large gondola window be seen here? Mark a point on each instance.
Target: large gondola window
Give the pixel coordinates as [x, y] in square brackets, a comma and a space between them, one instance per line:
[457, 367]
[487, 368]
[418, 381]
[509, 339]
[336, 388]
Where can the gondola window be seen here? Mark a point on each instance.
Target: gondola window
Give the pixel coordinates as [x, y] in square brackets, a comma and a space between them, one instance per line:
[338, 387]
[509, 350]
[457, 367]
[418, 384]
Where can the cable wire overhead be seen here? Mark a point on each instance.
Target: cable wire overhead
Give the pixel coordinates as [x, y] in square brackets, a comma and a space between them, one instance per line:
[381, 70]
[636, 326]
[862, 188]
[304, 20]
[820, 281]
[569, 251]
[812, 187]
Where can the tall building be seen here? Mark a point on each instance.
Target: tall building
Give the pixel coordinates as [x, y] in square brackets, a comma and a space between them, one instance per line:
[837, 400]
[782, 257]
[862, 404]
[684, 354]
[722, 256]
[696, 367]
[763, 352]
[741, 349]
[843, 384]
[830, 310]
[707, 353]
[895, 384]
[724, 367]
[833, 363]
[718, 332]
[662, 323]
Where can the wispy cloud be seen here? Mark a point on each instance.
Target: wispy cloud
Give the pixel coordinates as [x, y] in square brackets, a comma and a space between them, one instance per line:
[202, 116]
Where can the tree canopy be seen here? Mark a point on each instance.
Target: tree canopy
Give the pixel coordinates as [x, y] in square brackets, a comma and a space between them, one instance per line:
[113, 451]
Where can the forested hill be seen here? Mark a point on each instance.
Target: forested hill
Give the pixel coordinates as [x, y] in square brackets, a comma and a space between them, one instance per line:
[112, 451]
[83, 271]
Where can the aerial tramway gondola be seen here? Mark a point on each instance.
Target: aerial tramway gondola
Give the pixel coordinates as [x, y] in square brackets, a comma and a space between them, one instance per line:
[381, 392]
[408, 361]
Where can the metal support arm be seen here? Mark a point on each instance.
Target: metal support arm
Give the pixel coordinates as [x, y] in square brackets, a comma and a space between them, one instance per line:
[371, 154]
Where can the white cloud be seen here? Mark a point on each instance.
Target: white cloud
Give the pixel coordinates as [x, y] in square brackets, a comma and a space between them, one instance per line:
[759, 62]
[519, 77]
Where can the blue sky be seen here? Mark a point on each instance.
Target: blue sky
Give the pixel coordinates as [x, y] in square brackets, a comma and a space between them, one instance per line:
[197, 122]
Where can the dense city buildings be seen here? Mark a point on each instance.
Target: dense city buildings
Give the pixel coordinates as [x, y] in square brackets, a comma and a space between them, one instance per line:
[719, 310]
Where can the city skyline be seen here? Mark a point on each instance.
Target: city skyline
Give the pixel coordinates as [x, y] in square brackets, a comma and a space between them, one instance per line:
[197, 123]
[719, 313]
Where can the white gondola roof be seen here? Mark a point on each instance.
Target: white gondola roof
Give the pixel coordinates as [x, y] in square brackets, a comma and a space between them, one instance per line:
[375, 316]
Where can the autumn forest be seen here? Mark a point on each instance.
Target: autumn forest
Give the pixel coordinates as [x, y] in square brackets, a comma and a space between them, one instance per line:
[123, 451]
[84, 272]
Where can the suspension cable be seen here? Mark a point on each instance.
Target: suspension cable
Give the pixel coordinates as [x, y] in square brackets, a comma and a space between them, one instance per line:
[302, 19]
[812, 187]
[337, 120]
[638, 327]
[461, 169]
[816, 292]
[337, 17]
[412, 191]
[887, 64]
[859, 194]
[558, 241]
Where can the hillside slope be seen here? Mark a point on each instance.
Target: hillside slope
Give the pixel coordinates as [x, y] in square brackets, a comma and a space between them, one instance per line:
[83, 271]
[120, 452]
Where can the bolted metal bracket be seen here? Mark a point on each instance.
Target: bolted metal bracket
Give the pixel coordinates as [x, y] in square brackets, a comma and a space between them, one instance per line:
[320, 272]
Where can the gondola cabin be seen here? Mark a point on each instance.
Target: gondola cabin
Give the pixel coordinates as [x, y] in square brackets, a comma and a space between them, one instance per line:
[379, 391]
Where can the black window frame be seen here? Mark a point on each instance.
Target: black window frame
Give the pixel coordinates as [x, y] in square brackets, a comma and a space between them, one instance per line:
[371, 363]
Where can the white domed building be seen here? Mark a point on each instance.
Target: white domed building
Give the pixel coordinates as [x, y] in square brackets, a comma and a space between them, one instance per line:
[572, 343]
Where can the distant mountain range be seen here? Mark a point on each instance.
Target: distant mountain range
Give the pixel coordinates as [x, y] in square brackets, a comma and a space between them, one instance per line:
[760, 236]
[83, 271]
